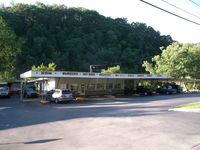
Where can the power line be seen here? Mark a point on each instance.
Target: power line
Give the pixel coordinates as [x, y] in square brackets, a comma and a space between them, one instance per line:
[194, 3]
[181, 9]
[170, 12]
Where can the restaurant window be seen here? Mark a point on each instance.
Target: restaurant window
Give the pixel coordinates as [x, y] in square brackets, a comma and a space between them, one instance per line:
[67, 86]
[100, 86]
[62, 86]
[91, 87]
[109, 86]
[74, 87]
[118, 86]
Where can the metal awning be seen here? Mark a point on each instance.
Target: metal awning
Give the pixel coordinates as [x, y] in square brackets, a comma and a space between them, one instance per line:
[38, 80]
[69, 74]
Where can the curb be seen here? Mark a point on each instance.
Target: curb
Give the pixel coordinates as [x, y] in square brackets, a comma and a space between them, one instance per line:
[185, 109]
[43, 101]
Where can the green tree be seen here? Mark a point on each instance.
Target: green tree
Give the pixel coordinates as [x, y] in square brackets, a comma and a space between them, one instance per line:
[42, 67]
[115, 69]
[194, 63]
[177, 60]
[9, 49]
[75, 38]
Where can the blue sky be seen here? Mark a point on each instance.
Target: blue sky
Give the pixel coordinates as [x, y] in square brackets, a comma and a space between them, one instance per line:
[136, 11]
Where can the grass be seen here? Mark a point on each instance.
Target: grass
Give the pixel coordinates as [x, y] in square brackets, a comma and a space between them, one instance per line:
[191, 106]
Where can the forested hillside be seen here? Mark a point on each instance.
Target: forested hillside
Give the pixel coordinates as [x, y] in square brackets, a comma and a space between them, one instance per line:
[74, 38]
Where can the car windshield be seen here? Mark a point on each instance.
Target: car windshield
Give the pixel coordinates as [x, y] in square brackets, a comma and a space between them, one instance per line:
[29, 90]
[50, 92]
[66, 92]
[57, 91]
[3, 89]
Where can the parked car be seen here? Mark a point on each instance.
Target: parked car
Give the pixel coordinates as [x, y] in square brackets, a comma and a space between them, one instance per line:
[177, 87]
[14, 90]
[167, 89]
[62, 96]
[143, 90]
[4, 92]
[30, 93]
[48, 95]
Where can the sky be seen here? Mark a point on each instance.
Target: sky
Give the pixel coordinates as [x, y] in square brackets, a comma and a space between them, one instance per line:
[137, 11]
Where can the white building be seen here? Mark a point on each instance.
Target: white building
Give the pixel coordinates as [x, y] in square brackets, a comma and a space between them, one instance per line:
[86, 83]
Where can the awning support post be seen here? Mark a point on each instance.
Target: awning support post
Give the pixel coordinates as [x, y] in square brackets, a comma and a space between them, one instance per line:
[21, 91]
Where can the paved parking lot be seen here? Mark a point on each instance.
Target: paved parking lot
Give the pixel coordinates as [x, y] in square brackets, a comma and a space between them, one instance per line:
[141, 123]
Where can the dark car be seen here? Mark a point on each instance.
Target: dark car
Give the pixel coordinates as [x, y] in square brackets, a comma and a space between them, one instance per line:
[141, 90]
[30, 93]
[167, 89]
[177, 87]
[14, 90]
[48, 95]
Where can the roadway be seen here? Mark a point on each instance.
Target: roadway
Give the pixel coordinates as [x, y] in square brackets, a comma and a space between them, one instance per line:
[138, 123]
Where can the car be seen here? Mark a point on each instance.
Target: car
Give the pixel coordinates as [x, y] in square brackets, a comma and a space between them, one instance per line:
[60, 95]
[166, 90]
[30, 93]
[141, 90]
[177, 87]
[14, 90]
[48, 95]
[4, 92]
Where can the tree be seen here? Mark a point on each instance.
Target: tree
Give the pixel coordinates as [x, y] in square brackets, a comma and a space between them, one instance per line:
[177, 60]
[194, 63]
[74, 38]
[42, 67]
[115, 69]
[9, 48]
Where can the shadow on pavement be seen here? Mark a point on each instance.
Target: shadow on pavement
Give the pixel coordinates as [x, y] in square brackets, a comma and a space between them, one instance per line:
[16, 114]
[33, 142]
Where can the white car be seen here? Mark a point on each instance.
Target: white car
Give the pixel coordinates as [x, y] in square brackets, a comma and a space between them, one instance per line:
[62, 96]
[4, 92]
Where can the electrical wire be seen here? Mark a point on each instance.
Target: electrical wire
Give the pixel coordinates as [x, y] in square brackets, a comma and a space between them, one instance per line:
[170, 12]
[181, 9]
[194, 3]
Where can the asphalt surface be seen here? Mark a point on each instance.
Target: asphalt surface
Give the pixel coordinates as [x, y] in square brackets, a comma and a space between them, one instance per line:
[138, 123]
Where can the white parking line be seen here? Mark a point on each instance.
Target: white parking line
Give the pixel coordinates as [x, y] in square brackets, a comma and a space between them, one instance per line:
[2, 108]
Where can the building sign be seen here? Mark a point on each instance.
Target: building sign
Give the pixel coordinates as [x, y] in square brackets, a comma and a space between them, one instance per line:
[69, 74]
